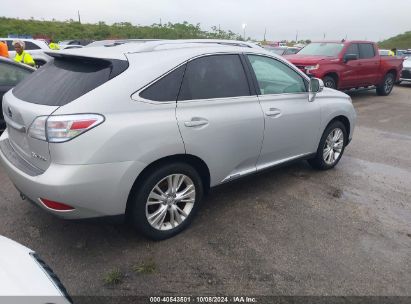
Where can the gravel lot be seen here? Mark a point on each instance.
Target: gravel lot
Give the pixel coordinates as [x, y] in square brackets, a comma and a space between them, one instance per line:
[289, 231]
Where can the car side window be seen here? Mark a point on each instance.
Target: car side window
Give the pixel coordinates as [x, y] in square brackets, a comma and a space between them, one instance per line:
[275, 77]
[214, 76]
[366, 50]
[10, 75]
[31, 46]
[353, 49]
[166, 88]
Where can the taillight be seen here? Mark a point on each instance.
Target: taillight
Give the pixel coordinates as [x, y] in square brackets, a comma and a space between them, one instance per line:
[61, 128]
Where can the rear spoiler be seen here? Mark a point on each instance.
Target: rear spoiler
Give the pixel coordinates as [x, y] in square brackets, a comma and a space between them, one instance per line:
[117, 66]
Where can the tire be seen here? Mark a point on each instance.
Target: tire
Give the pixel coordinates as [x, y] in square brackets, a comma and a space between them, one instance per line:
[385, 88]
[170, 209]
[322, 160]
[330, 82]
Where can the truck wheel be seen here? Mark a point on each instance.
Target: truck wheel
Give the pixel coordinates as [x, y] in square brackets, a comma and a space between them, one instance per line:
[330, 82]
[385, 88]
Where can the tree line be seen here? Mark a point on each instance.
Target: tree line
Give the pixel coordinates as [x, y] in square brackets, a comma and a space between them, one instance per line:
[63, 30]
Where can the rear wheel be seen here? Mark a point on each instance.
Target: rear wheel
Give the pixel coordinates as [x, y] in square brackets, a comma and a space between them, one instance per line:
[385, 88]
[167, 201]
[331, 146]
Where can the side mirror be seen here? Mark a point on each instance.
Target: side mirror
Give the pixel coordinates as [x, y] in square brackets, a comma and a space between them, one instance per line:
[348, 57]
[316, 85]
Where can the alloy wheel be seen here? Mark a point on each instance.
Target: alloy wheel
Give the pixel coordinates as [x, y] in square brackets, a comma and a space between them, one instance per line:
[333, 146]
[388, 84]
[170, 202]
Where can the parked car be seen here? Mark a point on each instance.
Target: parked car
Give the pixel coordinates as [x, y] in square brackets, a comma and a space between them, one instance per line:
[349, 64]
[406, 71]
[24, 275]
[36, 48]
[70, 46]
[82, 42]
[147, 129]
[283, 50]
[11, 73]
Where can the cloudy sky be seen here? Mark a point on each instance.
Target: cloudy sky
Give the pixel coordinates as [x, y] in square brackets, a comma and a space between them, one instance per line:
[336, 19]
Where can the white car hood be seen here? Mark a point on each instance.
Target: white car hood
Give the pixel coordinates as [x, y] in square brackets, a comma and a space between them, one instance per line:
[21, 275]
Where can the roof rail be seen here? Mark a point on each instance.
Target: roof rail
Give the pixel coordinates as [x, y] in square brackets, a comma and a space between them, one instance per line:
[152, 45]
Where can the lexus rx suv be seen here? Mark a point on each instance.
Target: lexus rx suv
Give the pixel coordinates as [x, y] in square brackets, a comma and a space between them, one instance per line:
[147, 129]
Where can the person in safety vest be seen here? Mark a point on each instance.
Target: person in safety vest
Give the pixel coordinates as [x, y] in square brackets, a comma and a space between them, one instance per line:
[4, 50]
[54, 46]
[21, 55]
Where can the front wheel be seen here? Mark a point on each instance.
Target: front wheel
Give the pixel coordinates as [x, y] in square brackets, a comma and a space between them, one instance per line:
[166, 201]
[330, 82]
[331, 147]
[385, 88]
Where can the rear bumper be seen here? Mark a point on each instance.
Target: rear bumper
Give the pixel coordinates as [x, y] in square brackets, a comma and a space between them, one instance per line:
[93, 190]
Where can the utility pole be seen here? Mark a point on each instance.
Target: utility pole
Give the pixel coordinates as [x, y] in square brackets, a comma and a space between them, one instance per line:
[265, 32]
[244, 26]
[78, 13]
[324, 36]
[160, 22]
[296, 37]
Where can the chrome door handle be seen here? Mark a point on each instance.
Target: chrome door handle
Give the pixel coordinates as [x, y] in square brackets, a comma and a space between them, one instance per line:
[196, 122]
[14, 124]
[273, 112]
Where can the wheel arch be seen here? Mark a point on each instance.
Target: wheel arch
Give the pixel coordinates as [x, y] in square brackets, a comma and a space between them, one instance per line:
[334, 75]
[192, 160]
[344, 119]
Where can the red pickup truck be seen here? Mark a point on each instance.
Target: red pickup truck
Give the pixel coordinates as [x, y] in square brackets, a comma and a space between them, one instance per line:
[349, 64]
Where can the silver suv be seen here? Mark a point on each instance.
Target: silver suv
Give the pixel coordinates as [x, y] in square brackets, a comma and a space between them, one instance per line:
[146, 129]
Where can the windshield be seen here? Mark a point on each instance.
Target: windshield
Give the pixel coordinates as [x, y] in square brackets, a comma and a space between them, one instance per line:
[322, 49]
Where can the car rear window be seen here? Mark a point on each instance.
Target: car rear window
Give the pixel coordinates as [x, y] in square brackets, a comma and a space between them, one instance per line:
[64, 79]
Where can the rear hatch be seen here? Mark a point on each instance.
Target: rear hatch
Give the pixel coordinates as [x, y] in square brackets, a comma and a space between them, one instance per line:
[59, 82]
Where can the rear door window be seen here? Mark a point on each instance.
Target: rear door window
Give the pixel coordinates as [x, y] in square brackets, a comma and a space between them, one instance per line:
[64, 79]
[353, 49]
[166, 88]
[366, 50]
[214, 76]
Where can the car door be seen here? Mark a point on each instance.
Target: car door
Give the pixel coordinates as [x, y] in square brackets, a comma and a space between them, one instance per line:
[370, 63]
[10, 75]
[219, 116]
[350, 74]
[291, 122]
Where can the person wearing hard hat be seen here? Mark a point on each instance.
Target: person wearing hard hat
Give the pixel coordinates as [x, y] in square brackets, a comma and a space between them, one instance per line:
[21, 55]
[4, 50]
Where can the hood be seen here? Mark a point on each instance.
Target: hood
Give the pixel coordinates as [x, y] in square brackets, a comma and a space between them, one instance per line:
[307, 59]
[21, 275]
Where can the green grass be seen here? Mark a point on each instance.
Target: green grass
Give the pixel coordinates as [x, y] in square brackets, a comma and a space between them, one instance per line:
[145, 268]
[402, 41]
[114, 277]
